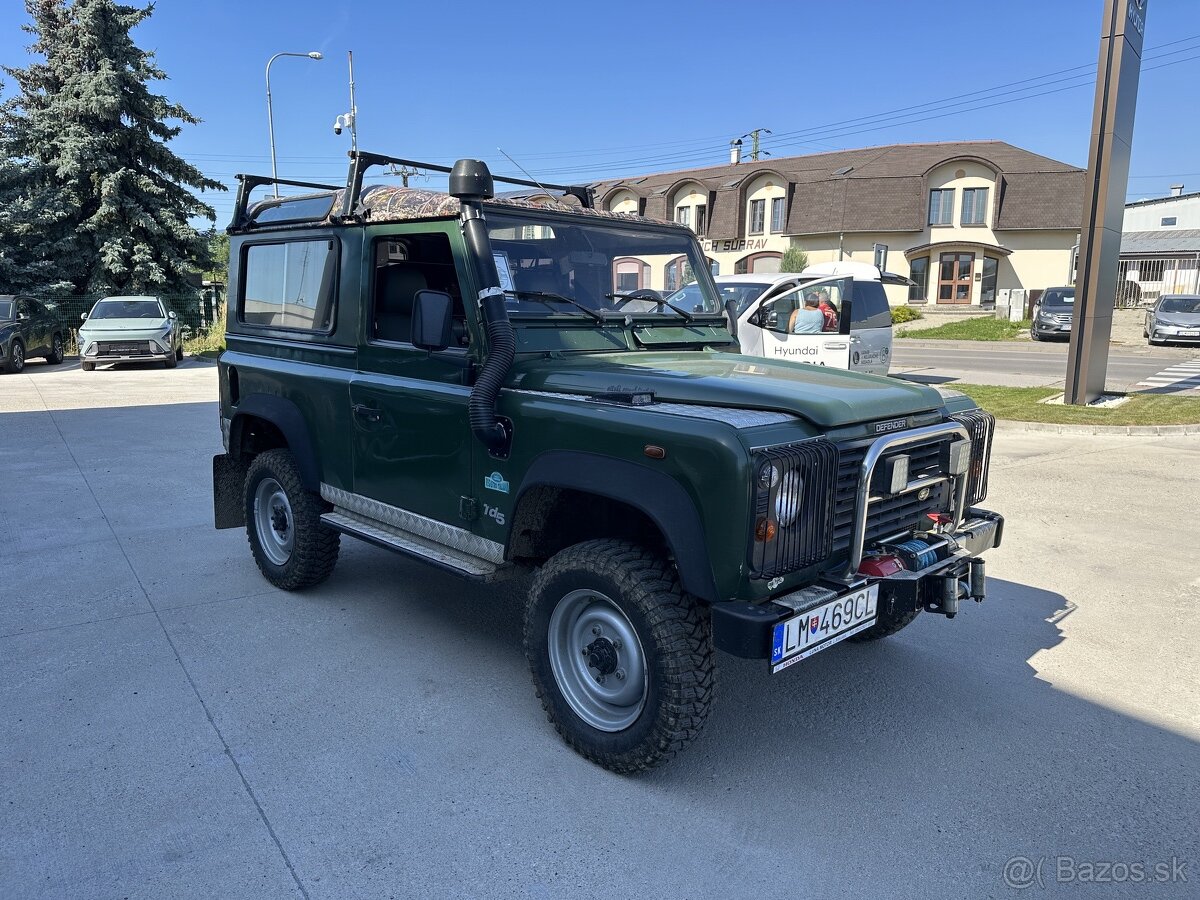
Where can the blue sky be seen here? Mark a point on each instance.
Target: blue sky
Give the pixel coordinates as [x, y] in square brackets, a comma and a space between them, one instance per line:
[580, 91]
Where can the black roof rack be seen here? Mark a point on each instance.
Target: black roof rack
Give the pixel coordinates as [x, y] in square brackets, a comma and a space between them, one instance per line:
[360, 162]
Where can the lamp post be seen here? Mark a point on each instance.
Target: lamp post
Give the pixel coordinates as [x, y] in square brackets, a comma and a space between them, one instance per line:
[270, 115]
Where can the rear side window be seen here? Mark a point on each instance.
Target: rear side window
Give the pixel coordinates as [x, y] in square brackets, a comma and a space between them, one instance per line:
[869, 308]
[290, 285]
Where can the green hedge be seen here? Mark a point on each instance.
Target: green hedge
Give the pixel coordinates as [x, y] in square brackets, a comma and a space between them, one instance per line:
[901, 314]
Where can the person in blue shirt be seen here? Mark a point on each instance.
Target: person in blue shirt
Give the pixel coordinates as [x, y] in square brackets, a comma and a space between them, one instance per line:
[810, 319]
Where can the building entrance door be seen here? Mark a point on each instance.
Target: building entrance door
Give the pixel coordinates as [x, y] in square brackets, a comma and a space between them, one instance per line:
[954, 277]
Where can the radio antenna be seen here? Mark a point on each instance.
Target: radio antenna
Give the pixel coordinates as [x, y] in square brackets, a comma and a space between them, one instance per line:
[526, 171]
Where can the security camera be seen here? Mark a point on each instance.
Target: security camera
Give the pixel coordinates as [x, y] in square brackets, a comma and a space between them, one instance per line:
[337, 125]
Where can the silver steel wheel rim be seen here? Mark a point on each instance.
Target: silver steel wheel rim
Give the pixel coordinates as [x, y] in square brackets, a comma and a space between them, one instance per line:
[273, 521]
[587, 628]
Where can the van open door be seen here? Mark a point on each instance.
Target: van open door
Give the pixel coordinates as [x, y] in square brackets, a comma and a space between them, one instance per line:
[769, 328]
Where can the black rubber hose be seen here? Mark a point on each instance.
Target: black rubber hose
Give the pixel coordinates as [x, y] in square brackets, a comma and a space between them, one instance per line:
[502, 343]
[502, 348]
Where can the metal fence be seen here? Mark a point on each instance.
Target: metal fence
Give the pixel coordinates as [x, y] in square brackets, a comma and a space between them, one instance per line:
[196, 312]
[1141, 281]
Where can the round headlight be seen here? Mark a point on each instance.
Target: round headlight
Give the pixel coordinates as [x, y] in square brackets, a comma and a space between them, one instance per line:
[788, 500]
[768, 476]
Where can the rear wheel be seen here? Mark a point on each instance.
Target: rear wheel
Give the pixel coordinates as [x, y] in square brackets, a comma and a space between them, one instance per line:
[16, 358]
[292, 547]
[55, 356]
[621, 659]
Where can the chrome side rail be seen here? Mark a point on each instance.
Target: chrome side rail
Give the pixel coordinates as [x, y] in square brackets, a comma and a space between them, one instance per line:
[862, 500]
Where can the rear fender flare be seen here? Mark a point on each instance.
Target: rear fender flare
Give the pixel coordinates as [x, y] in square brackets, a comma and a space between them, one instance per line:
[286, 416]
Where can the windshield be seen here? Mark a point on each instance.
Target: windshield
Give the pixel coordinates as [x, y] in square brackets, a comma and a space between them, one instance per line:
[127, 309]
[6, 309]
[742, 293]
[1059, 299]
[1180, 305]
[607, 267]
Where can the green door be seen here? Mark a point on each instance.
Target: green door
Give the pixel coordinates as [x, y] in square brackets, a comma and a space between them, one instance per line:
[412, 443]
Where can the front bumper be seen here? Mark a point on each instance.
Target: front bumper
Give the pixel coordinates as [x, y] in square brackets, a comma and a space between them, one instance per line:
[744, 629]
[1174, 333]
[134, 357]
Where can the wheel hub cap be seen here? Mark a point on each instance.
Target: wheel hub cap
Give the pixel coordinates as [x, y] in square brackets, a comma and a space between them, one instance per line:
[273, 521]
[597, 660]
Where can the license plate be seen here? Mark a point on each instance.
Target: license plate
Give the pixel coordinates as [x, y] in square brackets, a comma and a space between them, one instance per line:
[823, 626]
[1189, 333]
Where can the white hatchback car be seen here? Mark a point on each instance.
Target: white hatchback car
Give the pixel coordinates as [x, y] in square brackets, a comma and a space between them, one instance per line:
[763, 306]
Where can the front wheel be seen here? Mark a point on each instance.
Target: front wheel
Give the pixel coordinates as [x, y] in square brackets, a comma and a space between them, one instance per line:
[621, 659]
[88, 367]
[16, 358]
[55, 356]
[292, 547]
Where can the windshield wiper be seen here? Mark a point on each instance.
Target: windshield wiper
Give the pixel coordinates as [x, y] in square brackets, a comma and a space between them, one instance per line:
[548, 296]
[687, 316]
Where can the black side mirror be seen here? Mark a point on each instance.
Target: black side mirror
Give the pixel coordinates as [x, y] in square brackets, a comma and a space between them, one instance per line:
[731, 313]
[432, 319]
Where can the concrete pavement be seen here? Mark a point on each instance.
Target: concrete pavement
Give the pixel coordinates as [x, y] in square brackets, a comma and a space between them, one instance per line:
[174, 727]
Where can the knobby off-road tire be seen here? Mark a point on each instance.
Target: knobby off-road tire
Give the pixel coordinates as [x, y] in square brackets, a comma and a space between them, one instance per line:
[615, 609]
[283, 524]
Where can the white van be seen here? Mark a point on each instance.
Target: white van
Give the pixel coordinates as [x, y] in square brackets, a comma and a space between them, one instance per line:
[763, 307]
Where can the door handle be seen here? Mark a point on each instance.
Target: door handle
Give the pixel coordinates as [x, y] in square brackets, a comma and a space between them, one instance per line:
[367, 413]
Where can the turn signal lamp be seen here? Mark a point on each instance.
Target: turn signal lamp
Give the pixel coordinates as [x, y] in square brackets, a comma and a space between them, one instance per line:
[764, 530]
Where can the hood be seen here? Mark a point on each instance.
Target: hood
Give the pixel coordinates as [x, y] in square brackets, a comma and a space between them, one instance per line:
[1187, 319]
[91, 325]
[827, 397]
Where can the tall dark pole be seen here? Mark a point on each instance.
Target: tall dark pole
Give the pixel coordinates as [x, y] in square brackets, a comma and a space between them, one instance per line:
[1104, 197]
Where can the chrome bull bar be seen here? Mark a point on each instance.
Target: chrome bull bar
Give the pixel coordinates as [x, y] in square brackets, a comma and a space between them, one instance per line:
[863, 498]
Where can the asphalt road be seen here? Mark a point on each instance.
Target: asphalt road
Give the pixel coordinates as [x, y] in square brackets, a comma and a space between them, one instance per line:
[1016, 364]
[172, 726]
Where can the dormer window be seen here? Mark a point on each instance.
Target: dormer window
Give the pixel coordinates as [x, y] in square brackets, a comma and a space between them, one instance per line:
[941, 206]
[974, 206]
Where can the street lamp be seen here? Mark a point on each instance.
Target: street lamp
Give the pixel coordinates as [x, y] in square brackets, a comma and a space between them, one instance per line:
[270, 115]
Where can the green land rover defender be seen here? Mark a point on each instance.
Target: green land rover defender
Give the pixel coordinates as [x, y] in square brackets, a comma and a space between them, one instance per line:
[486, 384]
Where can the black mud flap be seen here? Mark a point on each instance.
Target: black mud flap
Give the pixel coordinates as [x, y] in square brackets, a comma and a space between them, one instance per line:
[229, 480]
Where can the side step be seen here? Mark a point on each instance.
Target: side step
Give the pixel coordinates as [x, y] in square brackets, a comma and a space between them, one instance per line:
[389, 537]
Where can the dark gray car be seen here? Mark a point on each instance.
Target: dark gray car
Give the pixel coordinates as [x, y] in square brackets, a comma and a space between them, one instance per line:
[1053, 316]
[1173, 317]
[28, 329]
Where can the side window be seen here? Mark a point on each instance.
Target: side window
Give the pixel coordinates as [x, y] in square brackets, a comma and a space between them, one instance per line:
[789, 314]
[870, 308]
[405, 264]
[290, 285]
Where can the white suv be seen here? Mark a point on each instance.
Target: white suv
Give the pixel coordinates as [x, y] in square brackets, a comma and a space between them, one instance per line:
[762, 306]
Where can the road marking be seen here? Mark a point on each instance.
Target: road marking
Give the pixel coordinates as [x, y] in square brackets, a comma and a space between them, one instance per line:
[1184, 376]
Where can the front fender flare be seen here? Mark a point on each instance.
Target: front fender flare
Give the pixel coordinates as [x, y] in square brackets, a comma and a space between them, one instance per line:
[658, 495]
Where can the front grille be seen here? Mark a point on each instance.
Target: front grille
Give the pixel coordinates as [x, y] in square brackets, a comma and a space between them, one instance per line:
[1062, 318]
[890, 514]
[980, 425]
[808, 468]
[123, 348]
